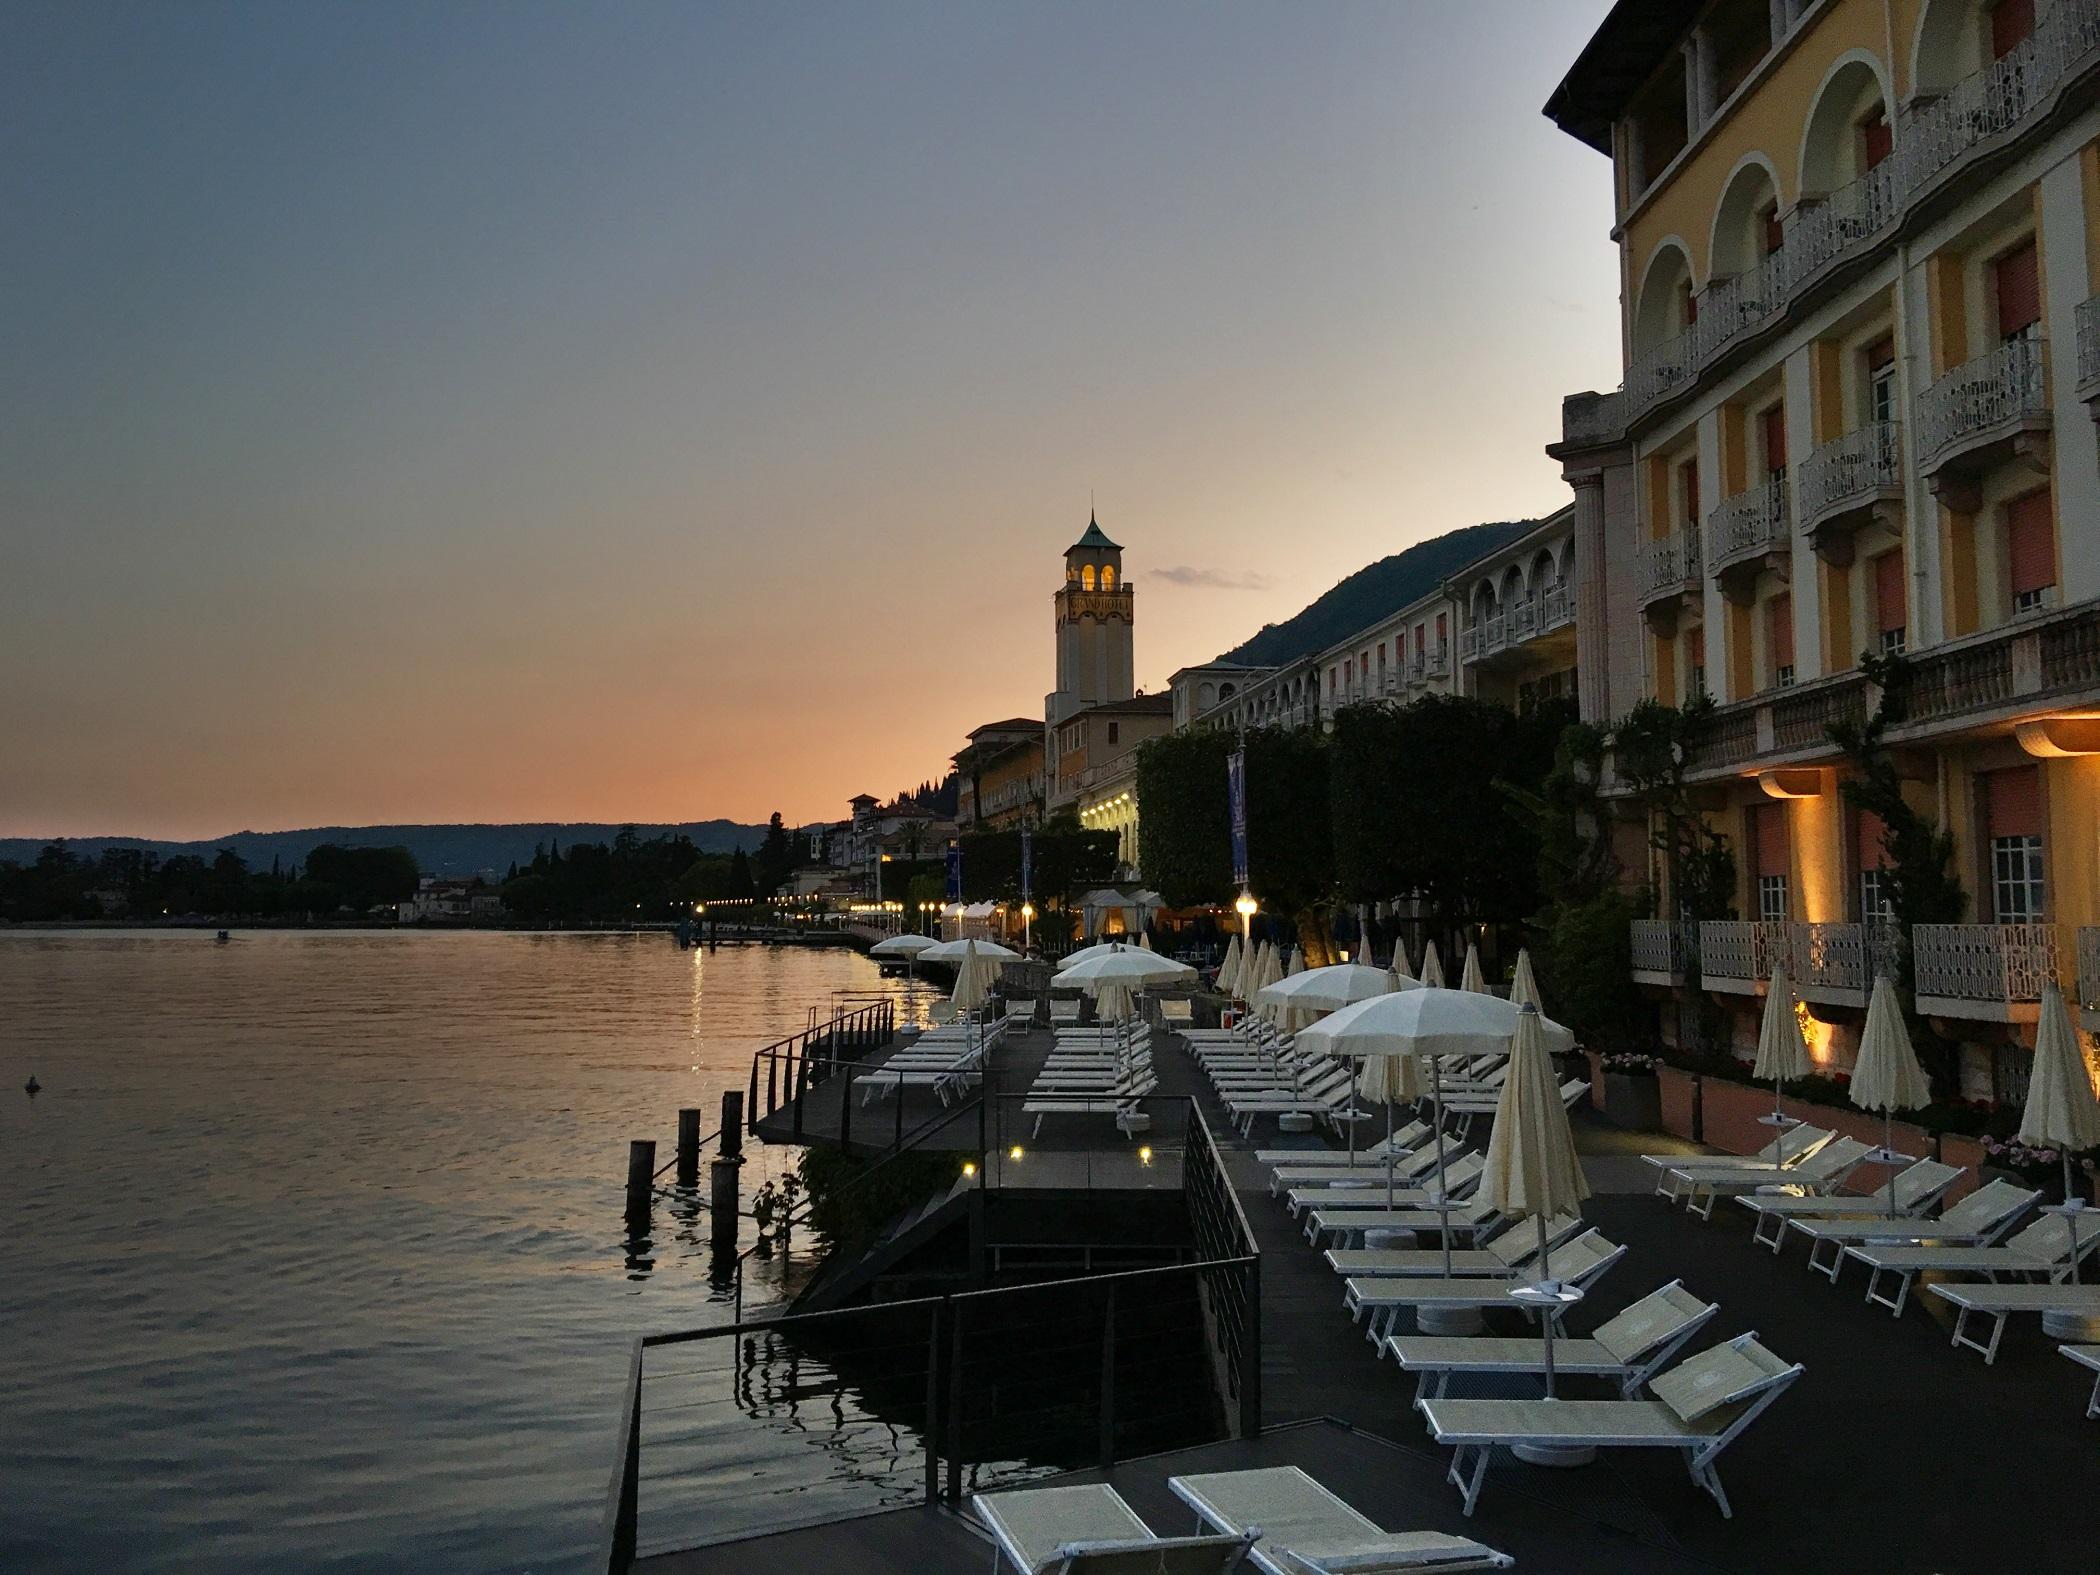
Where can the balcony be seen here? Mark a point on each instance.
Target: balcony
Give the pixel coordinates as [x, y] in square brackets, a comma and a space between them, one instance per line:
[1749, 533]
[1669, 577]
[1659, 947]
[1520, 622]
[1836, 964]
[1945, 139]
[1991, 973]
[1981, 414]
[2088, 319]
[1848, 483]
[1737, 956]
[2088, 978]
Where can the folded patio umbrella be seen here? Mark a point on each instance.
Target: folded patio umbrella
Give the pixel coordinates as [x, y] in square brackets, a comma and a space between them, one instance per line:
[1229, 969]
[1887, 1076]
[1470, 977]
[1432, 973]
[2061, 1111]
[1781, 1050]
[1522, 985]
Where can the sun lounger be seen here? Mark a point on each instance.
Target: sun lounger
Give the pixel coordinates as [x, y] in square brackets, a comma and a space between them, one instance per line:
[1404, 1140]
[1701, 1406]
[1998, 1302]
[2087, 1356]
[2043, 1248]
[1918, 1187]
[1976, 1221]
[1630, 1347]
[1070, 1530]
[1469, 1221]
[1821, 1171]
[1789, 1148]
[1300, 1528]
[1119, 1105]
[1504, 1254]
[1580, 1263]
[1411, 1172]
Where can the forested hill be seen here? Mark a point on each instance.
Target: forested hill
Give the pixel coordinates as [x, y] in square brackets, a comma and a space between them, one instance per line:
[439, 850]
[1372, 592]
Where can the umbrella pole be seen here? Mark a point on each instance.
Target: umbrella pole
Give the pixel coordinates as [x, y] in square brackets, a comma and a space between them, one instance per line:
[1443, 1199]
[1389, 1150]
[1888, 1149]
[1352, 1114]
[2071, 1212]
[1545, 1314]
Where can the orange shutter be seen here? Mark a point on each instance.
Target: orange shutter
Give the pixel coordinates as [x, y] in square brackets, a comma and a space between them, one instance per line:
[2019, 290]
[1870, 831]
[1876, 140]
[1440, 634]
[1691, 305]
[1880, 353]
[1779, 630]
[1888, 591]
[1769, 831]
[2012, 802]
[2012, 24]
[2030, 544]
[1773, 424]
[1421, 639]
[1775, 236]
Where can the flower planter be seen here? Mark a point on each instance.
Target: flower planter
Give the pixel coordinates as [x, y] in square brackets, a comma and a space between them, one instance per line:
[1633, 1100]
[1676, 1090]
[1966, 1152]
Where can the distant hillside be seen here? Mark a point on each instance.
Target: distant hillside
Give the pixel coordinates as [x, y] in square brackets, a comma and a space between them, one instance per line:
[439, 850]
[1372, 592]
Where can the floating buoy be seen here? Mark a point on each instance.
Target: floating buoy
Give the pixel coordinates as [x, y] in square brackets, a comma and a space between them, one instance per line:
[32, 1088]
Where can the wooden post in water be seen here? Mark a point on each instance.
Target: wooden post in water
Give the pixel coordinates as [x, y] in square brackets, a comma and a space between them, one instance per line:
[641, 1179]
[689, 1148]
[732, 1123]
[723, 1176]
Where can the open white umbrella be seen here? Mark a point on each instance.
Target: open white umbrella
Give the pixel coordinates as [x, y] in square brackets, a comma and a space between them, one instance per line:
[1432, 1024]
[1781, 1051]
[1532, 1170]
[1887, 1076]
[1329, 989]
[1432, 973]
[2061, 1111]
[1470, 977]
[1229, 969]
[903, 946]
[1127, 966]
[1523, 986]
[1102, 949]
[953, 952]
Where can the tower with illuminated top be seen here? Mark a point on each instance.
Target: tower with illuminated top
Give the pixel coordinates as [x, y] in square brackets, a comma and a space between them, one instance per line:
[1094, 624]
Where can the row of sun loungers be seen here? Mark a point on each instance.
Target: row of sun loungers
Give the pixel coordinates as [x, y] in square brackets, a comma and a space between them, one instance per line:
[946, 1060]
[1103, 1070]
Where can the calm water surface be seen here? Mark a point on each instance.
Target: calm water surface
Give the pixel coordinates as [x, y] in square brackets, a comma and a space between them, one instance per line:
[314, 1254]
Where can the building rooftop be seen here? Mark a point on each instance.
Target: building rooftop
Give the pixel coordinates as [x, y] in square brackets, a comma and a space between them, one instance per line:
[1095, 536]
[1635, 37]
[1161, 704]
[1013, 724]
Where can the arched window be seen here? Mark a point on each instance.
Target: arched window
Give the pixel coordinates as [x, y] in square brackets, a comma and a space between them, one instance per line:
[1746, 225]
[1542, 573]
[1848, 130]
[1664, 307]
[1959, 37]
[1108, 577]
[1086, 578]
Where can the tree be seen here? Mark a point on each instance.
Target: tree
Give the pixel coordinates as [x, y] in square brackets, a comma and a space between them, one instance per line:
[363, 877]
[740, 884]
[776, 858]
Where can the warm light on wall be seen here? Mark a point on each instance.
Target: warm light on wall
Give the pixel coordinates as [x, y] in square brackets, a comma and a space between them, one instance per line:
[1815, 1033]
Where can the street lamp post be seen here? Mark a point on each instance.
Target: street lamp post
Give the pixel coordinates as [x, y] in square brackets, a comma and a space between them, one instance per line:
[1027, 926]
[1246, 907]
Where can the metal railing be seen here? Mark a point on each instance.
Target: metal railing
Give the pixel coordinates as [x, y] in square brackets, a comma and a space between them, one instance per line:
[1988, 964]
[1841, 960]
[1659, 951]
[1983, 396]
[1851, 471]
[2087, 319]
[1671, 563]
[1752, 522]
[788, 1068]
[1734, 953]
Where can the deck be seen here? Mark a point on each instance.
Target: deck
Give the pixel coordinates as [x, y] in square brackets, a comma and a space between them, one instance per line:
[1894, 1452]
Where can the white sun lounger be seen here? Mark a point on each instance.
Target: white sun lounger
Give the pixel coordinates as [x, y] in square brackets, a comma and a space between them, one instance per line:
[1504, 1254]
[1469, 1220]
[1366, 1186]
[1302, 1529]
[1088, 1528]
[1976, 1221]
[1631, 1347]
[1998, 1302]
[1404, 1140]
[2043, 1248]
[1789, 1148]
[2087, 1356]
[1701, 1406]
[1580, 1263]
[1118, 1105]
[1918, 1187]
[1821, 1171]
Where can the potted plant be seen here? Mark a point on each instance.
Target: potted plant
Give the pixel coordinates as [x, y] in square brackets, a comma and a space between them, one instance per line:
[1632, 1095]
[2024, 1165]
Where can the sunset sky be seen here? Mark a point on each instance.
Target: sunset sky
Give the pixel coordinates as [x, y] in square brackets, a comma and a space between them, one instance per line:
[662, 411]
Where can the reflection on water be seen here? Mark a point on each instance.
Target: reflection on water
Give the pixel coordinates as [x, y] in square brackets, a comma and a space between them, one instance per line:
[315, 1254]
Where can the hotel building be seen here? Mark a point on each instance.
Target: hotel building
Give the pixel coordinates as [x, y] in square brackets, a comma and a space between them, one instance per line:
[1858, 245]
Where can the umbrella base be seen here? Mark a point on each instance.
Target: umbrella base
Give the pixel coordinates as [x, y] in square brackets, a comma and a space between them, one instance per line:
[1389, 1240]
[2084, 1328]
[1294, 1121]
[1129, 1121]
[1449, 1320]
[1560, 1455]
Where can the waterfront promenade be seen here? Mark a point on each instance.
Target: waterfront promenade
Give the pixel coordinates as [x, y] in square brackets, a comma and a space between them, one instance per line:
[1894, 1453]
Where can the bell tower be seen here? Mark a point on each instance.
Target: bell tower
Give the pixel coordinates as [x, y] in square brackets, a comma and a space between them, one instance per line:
[1094, 610]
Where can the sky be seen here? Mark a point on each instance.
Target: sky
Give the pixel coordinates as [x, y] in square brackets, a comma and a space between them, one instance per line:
[645, 411]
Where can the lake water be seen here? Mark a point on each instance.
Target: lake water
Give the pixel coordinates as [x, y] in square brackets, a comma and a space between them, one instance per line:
[314, 1254]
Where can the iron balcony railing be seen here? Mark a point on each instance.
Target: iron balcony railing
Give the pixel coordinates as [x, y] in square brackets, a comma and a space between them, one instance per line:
[1670, 564]
[2088, 320]
[1838, 963]
[2089, 967]
[1982, 397]
[1740, 954]
[1851, 471]
[1659, 951]
[1984, 970]
[1851, 221]
[1749, 523]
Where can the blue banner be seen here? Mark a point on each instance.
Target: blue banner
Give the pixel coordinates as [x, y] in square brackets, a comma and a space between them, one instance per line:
[955, 872]
[1027, 861]
[1236, 796]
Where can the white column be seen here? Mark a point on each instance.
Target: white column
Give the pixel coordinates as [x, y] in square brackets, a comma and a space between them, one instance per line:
[1807, 584]
[1921, 536]
[1713, 609]
[1699, 82]
[1592, 639]
[2076, 457]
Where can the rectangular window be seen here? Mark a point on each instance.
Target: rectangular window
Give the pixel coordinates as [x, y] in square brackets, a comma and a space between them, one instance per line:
[1112, 729]
[1779, 638]
[1771, 426]
[1443, 639]
[1881, 380]
[2017, 282]
[1421, 640]
[2030, 551]
[1876, 140]
[1771, 898]
[1876, 890]
[2012, 816]
[1771, 855]
[2012, 24]
[1889, 614]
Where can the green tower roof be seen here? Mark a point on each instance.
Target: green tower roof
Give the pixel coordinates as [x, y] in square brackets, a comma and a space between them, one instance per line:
[1095, 537]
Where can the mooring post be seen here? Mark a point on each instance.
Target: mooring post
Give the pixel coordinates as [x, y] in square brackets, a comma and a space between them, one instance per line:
[723, 1175]
[689, 1148]
[732, 1124]
[641, 1179]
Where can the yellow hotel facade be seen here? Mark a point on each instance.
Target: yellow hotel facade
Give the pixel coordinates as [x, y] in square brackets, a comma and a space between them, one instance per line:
[1859, 245]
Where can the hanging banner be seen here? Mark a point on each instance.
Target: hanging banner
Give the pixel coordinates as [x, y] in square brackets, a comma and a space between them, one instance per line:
[1027, 862]
[955, 872]
[1236, 796]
